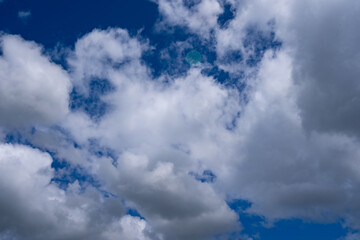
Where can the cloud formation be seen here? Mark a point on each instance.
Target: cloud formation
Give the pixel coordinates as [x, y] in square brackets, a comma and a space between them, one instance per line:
[33, 90]
[32, 207]
[297, 136]
[288, 141]
[197, 16]
[153, 127]
[299, 128]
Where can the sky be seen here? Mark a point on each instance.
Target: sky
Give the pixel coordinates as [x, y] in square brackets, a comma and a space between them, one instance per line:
[179, 119]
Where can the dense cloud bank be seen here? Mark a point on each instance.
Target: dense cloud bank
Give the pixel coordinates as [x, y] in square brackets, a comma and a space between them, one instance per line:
[288, 141]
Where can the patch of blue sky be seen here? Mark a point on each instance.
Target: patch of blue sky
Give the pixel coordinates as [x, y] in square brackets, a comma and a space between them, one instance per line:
[167, 57]
[15, 137]
[101, 151]
[191, 3]
[68, 20]
[21, 137]
[181, 147]
[259, 42]
[66, 135]
[164, 60]
[234, 121]
[225, 78]
[219, 74]
[66, 173]
[256, 43]
[233, 56]
[91, 103]
[296, 229]
[133, 212]
[206, 176]
[225, 18]
[24, 136]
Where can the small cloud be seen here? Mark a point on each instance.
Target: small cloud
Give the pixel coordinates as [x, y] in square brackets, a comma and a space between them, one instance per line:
[23, 15]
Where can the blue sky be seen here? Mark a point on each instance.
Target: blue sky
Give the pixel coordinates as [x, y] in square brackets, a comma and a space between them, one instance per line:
[107, 132]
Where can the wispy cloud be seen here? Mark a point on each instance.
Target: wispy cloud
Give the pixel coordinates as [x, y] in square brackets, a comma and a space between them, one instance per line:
[24, 14]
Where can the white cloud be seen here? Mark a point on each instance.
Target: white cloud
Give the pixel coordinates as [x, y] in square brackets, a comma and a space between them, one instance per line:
[127, 228]
[351, 236]
[30, 206]
[24, 14]
[173, 203]
[153, 126]
[99, 51]
[34, 208]
[33, 90]
[200, 18]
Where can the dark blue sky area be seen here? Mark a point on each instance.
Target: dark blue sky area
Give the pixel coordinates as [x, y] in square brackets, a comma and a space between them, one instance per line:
[64, 21]
[290, 229]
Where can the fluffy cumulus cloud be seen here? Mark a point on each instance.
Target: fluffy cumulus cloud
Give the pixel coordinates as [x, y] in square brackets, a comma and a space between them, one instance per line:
[287, 141]
[197, 16]
[300, 134]
[33, 90]
[32, 207]
[100, 51]
[158, 133]
[157, 136]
